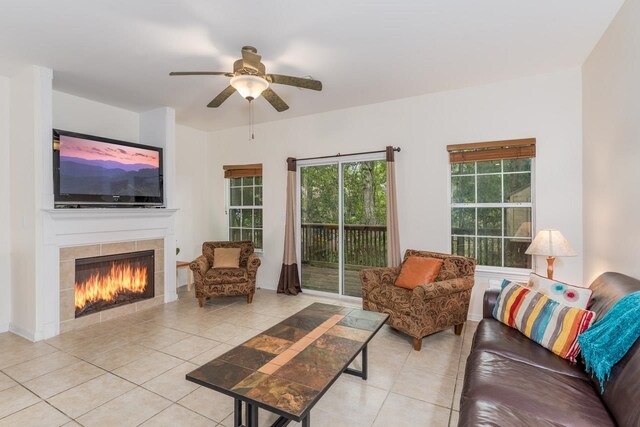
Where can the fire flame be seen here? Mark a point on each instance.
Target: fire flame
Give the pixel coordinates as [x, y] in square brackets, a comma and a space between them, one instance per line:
[120, 278]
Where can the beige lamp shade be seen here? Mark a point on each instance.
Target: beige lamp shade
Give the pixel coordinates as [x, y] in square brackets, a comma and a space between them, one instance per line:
[550, 243]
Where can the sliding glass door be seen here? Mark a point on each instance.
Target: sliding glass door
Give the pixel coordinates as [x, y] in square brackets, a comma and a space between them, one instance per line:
[342, 223]
[319, 228]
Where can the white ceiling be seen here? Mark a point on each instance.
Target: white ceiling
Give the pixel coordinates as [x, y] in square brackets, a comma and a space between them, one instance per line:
[364, 51]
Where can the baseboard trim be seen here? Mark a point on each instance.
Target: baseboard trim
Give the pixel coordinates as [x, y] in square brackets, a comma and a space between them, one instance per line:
[15, 329]
[474, 317]
[4, 327]
[170, 297]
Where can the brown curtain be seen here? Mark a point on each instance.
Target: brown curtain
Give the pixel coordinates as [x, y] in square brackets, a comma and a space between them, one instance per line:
[289, 277]
[393, 234]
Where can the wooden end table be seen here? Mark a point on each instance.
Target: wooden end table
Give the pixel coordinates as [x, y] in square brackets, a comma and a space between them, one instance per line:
[182, 264]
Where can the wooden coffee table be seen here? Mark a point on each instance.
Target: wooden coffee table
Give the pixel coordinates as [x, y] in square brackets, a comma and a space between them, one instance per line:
[288, 368]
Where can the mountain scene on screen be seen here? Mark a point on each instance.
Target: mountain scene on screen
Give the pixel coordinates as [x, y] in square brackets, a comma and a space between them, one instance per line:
[108, 177]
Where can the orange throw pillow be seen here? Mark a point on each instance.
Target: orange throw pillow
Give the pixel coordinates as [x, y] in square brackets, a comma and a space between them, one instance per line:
[417, 271]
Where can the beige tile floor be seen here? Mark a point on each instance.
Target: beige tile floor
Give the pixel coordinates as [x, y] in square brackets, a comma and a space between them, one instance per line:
[130, 371]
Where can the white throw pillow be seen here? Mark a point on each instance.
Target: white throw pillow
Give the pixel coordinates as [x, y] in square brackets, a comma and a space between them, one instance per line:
[573, 296]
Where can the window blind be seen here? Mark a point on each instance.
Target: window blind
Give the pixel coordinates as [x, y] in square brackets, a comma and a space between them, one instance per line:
[492, 150]
[239, 171]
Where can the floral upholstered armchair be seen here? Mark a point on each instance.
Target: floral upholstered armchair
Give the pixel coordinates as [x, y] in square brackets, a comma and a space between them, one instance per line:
[215, 282]
[428, 308]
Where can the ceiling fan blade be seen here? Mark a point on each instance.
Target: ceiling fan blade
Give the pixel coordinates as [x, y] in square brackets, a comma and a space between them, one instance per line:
[295, 81]
[222, 96]
[199, 73]
[251, 59]
[273, 98]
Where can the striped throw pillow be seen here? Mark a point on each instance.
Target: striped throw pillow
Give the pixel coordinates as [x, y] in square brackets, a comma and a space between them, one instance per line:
[551, 324]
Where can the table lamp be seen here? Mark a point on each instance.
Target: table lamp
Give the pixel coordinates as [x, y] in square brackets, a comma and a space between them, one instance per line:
[550, 243]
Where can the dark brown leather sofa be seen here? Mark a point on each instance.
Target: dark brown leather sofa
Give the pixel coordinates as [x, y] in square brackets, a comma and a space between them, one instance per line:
[512, 381]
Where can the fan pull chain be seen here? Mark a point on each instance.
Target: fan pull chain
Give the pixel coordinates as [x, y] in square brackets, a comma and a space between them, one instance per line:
[251, 121]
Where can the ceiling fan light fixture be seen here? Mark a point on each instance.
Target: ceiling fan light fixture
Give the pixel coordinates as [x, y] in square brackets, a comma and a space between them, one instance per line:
[250, 87]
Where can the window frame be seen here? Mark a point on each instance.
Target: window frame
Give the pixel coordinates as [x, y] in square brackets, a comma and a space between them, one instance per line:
[450, 205]
[228, 207]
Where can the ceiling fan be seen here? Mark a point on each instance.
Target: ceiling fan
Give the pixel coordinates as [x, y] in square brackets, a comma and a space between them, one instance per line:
[250, 80]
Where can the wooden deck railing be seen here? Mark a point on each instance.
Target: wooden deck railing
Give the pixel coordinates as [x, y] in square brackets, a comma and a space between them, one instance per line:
[364, 245]
[490, 250]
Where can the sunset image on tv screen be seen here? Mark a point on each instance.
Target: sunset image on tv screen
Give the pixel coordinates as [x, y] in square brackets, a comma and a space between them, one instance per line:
[101, 168]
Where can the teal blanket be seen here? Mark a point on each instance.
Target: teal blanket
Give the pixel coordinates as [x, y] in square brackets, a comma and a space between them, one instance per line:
[610, 338]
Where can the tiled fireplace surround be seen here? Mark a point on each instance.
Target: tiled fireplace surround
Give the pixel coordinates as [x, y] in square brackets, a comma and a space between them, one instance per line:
[68, 256]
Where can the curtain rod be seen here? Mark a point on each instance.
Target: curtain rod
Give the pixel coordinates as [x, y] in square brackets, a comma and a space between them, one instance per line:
[397, 149]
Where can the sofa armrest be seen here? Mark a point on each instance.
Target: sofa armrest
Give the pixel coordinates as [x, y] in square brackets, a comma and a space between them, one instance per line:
[253, 262]
[489, 301]
[200, 265]
[440, 289]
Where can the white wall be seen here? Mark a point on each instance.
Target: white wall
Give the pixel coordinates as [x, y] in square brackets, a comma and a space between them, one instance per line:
[76, 114]
[547, 107]
[194, 195]
[611, 125]
[5, 235]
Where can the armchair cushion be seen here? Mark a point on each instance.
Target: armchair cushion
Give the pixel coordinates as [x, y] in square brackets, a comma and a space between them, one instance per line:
[418, 271]
[223, 276]
[226, 258]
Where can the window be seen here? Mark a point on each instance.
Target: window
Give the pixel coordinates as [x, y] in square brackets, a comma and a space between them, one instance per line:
[245, 208]
[491, 206]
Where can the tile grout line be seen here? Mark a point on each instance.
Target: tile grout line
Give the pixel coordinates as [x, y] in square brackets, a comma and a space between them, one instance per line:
[390, 388]
[26, 407]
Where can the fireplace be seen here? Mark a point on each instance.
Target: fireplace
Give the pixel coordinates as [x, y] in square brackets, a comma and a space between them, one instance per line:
[104, 282]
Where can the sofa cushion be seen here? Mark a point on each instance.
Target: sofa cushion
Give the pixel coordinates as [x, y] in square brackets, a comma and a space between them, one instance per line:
[489, 413]
[418, 271]
[498, 338]
[221, 276]
[549, 323]
[498, 388]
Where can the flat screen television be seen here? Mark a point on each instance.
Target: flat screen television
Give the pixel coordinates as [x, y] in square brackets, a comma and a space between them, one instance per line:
[94, 171]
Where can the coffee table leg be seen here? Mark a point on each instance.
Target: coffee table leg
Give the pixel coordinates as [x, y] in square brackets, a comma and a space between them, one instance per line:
[251, 414]
[365, 366]
[306, 421]
[237, 413]
[365, 363]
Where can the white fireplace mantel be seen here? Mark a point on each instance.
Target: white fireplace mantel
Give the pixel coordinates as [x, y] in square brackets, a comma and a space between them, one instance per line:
[110, 212]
